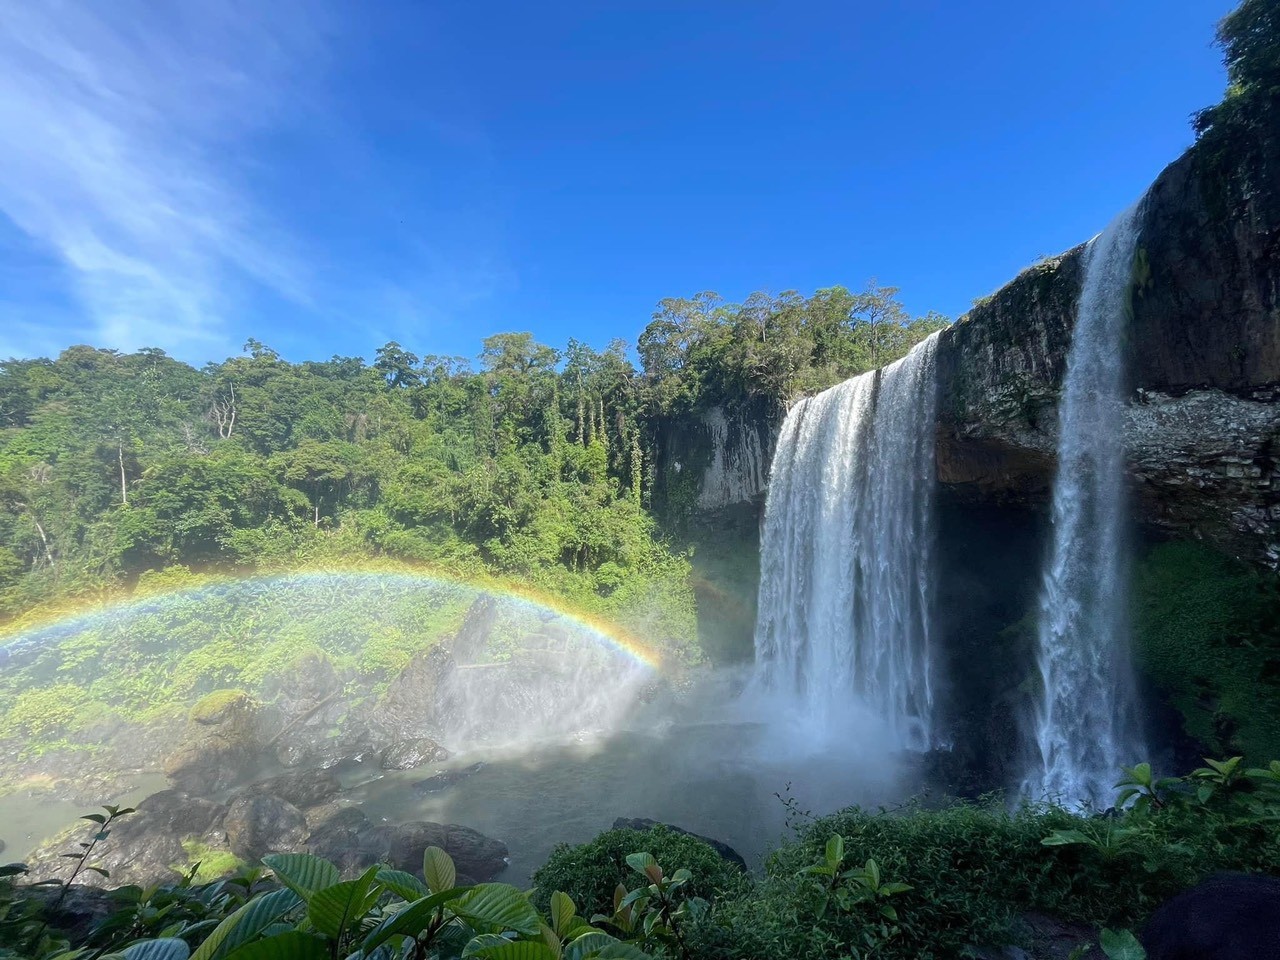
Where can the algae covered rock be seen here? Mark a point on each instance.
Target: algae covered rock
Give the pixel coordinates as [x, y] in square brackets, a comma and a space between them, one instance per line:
[220, 746]
[412, 753]
[145, 847]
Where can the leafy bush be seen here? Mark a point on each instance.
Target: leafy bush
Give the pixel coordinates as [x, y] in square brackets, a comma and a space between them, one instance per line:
[962, 876]
[970, 868]
[307, 912]
[1205, 633]
[590, 872]
[909, 883]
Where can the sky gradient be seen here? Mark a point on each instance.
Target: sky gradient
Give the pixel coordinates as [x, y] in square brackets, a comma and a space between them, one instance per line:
[326, 177]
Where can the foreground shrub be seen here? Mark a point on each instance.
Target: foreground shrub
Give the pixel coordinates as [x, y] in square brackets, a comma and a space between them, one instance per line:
[962, 876]
[590, 872]
[306, 911]
[913, 883]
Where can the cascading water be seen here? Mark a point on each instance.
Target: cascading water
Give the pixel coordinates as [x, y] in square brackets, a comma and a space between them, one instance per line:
[1086, 727]
[845, 580]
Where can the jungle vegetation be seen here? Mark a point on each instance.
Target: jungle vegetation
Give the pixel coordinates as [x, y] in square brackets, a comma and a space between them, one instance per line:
[534, 463]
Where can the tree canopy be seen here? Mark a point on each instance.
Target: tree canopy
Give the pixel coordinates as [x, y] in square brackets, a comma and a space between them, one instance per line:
[533, 465]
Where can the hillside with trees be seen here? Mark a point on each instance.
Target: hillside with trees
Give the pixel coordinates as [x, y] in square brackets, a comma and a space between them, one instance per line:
[534, 463]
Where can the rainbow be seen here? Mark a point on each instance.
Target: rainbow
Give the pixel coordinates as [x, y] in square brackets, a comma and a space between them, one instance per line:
[55, 622]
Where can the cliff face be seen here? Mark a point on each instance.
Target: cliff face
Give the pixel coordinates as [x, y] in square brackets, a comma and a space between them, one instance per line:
[715, 459]
[712, 473]
[1203, 348]
[1204, 351]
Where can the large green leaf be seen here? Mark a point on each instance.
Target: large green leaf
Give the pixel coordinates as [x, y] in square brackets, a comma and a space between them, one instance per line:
[291, 945]
[336, 908]
[256, 915]
[1121, 945]
[478, 943]
[438, 868]
[835, 850]
[551, 940]
[410, 921]
[644, 863]
[515, 950]
[403, 884]
[562, 913]
[587, 945]
[497, 905]
[641, 862]
[302, 873]
[167, 948]
[1064, 838]
[618, 950]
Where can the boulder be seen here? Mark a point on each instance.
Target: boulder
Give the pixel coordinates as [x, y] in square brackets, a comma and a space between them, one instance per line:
[1232, 916]
[173, 812]
[420, 700]
[446, 779]
[257, 824]
[308, 683]
[476, 856]
[407, 711]
[313, 723]
[337, 839]
[302, 788]
[351, 841]
[415, 752]
[78, 912]
[726, 852]
[317, 746]
[220, 746]
[144, 847]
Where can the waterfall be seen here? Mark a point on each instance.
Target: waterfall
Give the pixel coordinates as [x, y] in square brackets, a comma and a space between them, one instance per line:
[845, 578]
[1086, 726]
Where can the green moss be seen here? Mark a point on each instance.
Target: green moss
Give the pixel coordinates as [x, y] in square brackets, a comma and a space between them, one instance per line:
[213, 707]
[210, 863]
[1204, 629]
[682, 483]
[42, 716]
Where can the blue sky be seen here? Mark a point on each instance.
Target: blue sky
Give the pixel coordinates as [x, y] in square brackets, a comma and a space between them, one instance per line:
[329, 176]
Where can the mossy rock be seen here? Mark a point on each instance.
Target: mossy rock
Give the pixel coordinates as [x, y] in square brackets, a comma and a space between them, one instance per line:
[206, 863]
[222, 706]
[221, 744]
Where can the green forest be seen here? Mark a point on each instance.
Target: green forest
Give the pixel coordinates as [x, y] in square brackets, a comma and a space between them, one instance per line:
[532, 463]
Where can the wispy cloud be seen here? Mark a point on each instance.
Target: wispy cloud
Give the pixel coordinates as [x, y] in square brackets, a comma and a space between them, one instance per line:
[127, 132]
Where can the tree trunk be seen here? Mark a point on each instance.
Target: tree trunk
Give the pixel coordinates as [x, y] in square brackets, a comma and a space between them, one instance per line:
[48, 551]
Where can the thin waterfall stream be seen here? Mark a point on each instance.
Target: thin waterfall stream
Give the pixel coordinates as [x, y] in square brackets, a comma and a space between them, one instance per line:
[1087, 726]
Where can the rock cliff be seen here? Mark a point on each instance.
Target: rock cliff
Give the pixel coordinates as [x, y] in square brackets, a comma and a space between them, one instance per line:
[715, 458]
[1204, 352]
